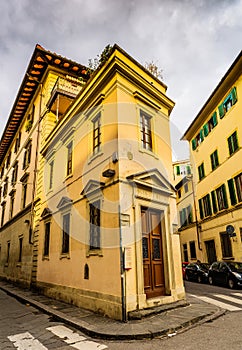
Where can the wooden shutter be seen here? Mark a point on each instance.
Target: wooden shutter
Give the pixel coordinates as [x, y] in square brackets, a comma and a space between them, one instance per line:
[225, 196]
[232, 194]
[201, 208]
[214, 117]
[234, 95]
[221, 111]
[215, 208]
[205, 129]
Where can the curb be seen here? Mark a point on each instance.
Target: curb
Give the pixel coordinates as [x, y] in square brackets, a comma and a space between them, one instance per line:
[90, 330]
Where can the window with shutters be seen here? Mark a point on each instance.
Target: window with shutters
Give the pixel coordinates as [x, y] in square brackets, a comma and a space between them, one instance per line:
[228, 102]
[214, 202]
[233, 143]
[214, 160]
[226, 245]
[8, 160]
[238, 185]
[11, 206]
[3, 213]
[145, 129]
[27, 155]
[201, 172]
[193, 253]
[185, 252]
[221, 197]
[94, 212]
[205, 206]
[213, 121]
[24, 181]
[14, 174]
[235, 189]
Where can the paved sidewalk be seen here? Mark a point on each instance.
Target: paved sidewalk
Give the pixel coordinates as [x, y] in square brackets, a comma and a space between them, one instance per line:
[167, 322]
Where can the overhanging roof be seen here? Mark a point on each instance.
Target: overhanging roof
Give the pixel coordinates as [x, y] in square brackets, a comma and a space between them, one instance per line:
[232, 73]
[39, 62]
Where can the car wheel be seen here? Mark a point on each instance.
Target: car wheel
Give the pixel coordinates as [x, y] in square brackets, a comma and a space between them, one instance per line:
[210, 280]
[199, 279]
[186, 277]
[231, 284]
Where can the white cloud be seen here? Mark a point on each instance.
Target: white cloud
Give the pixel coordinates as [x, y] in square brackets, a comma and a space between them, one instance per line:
[193, 41]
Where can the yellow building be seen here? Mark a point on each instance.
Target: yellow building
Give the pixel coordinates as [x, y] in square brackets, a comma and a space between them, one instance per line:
[107, 232]
[19, 147]
[99, 227]
[215, 138]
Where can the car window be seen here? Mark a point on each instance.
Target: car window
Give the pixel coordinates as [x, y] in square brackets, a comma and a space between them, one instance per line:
[204, 266]
[215, 265]
[235, 266]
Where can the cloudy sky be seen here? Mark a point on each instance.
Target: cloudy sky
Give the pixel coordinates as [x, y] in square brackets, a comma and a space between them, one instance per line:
[193, 41]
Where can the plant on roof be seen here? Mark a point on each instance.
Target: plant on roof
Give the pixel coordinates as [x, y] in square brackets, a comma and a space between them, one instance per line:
[98, 62]
[154, 69]
[28, 125]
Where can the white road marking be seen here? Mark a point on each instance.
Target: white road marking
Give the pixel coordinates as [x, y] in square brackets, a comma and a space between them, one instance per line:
[66, 334]
[229, 298]
[237, 294]
[25, 341]
[217, 303]
[74, 339]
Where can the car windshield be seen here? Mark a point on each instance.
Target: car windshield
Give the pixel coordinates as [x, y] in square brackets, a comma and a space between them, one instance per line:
[235, 266]
[204, 266]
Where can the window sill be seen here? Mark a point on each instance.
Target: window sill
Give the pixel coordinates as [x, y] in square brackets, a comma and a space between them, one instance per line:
[45, 257]
[94, 252]
[94, 156]
[67, 178]
[64, 256]
[150, 153]
[19, 264]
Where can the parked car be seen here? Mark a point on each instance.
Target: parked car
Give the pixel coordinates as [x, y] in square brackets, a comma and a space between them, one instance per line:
[184, 265]
[197, 272]
[226, 273]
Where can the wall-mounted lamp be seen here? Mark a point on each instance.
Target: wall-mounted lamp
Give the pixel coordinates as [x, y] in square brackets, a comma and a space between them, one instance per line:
[108, 173]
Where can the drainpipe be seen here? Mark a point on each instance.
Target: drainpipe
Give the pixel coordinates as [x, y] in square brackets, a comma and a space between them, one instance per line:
[122, 272]
[195, 210]
[35, 169]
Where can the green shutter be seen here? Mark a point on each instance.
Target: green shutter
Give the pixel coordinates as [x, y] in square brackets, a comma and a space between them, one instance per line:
[234, 95]
[215, 208]
[205, 129]
[209, 205]
[189, 212]
[216, 158]
[201, 208]
[194, 144]
[214, 117]
[201, 135]
[177, 170]
[225, 196]
[232, 194]
[221, 111]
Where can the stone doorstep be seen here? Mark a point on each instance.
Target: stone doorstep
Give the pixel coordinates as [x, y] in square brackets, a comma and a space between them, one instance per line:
[139, 314]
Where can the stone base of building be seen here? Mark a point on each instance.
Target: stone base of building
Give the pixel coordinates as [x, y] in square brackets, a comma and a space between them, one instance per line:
[107, 305]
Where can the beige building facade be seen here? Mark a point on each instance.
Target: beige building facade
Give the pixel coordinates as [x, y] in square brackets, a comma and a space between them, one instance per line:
[28, 124]
[215, 138]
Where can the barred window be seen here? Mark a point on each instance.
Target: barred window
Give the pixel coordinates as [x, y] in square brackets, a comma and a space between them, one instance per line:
[66, 234]
[97, 133]
[94, 209]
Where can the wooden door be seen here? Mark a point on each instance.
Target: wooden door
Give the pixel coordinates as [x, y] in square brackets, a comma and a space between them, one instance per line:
[154, 284]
